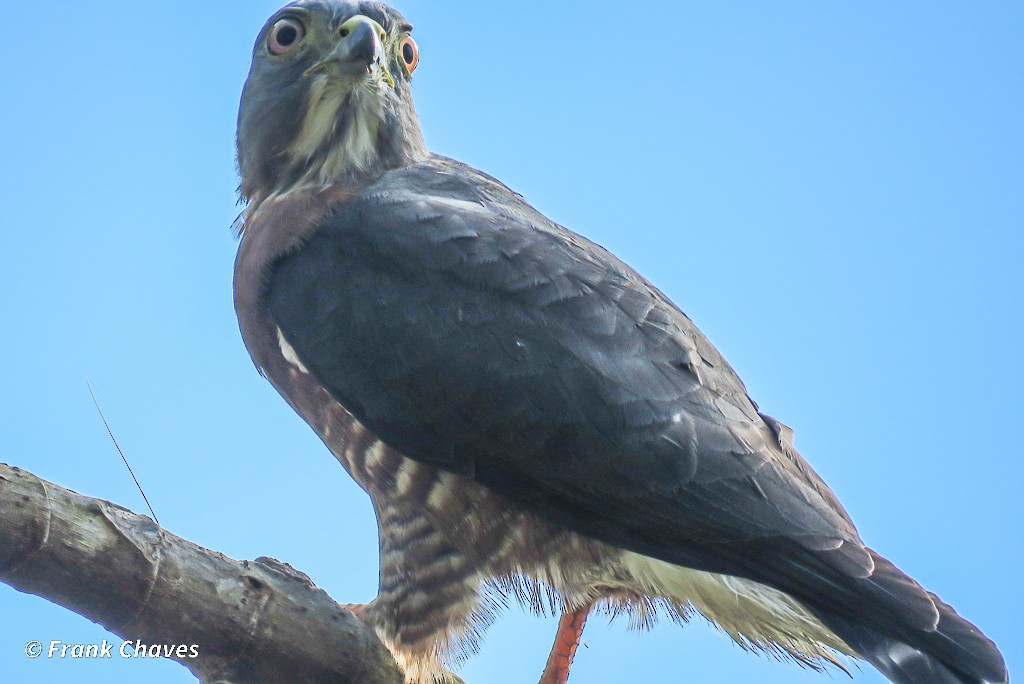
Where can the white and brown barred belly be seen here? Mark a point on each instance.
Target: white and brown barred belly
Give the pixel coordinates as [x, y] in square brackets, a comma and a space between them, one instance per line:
[452, 551]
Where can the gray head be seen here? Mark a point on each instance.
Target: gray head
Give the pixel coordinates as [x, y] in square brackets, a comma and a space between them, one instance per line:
[327, 98]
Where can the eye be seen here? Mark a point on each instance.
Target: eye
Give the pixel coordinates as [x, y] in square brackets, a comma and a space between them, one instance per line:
[410, 53]
[284, 36]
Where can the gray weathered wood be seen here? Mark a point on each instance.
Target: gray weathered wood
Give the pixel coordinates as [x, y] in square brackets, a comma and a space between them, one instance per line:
[251, 621]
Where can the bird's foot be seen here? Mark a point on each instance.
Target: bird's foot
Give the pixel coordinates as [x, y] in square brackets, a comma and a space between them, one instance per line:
[567, 640]
[357, 609]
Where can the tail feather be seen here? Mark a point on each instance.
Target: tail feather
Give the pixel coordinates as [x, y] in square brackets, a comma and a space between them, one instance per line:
[899, 662]
[951, 651]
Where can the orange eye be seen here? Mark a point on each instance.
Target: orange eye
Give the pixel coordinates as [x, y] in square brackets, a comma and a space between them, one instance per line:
[410, 53]
[286, 34]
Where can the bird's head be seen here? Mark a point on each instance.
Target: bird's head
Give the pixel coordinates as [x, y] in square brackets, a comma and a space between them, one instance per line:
[327, 98]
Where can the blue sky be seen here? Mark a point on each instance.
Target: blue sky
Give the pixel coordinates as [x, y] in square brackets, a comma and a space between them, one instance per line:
[834, 192]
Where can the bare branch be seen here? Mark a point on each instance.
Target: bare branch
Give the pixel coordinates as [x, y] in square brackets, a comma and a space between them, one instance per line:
[250, 621]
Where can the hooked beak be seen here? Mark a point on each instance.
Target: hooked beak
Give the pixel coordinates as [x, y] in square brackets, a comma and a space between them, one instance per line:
[359, 52]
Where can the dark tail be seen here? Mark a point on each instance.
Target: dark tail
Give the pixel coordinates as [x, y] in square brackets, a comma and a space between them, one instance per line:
[952, 651]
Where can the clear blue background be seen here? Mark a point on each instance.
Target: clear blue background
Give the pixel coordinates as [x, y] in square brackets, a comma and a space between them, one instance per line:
[833, 191]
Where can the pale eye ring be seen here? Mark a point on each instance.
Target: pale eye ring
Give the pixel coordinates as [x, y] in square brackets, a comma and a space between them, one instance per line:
[285, 36]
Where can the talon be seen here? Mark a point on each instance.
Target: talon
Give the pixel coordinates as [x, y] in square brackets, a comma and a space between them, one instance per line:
[357, 609]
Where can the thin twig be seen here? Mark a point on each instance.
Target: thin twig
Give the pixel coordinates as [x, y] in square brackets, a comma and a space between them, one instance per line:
[90, 385]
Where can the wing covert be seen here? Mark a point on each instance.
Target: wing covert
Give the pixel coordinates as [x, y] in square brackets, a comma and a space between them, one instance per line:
[472, 334]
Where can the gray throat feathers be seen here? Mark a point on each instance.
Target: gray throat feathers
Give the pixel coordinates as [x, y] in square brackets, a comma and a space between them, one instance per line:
[349, 133]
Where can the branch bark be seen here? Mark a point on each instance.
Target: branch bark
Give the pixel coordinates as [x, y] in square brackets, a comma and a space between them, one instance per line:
[250, 621]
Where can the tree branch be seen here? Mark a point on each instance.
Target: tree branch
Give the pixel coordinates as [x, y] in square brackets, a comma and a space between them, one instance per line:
[250, 621]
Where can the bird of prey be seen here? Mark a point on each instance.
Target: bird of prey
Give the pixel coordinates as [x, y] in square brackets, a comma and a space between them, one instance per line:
[530, 417]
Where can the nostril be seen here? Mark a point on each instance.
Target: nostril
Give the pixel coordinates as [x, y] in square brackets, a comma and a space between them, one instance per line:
[343, 33]
[363, 42]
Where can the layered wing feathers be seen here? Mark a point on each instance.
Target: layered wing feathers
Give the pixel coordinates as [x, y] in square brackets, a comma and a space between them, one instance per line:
[472, 334]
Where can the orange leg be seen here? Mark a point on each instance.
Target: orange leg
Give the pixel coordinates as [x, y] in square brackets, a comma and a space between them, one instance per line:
[567, 639]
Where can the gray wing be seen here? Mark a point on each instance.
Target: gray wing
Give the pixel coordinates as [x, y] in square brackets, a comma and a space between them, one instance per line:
[470, 333]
